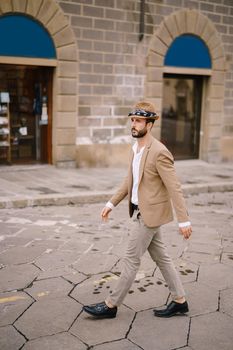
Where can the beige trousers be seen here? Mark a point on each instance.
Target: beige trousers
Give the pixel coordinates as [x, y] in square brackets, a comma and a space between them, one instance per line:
[144, 238]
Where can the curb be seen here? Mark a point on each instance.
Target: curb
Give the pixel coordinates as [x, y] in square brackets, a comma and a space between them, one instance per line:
[98, 197]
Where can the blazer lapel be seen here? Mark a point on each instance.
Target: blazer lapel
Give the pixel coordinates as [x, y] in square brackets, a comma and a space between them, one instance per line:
[143, 160]
[130, 172]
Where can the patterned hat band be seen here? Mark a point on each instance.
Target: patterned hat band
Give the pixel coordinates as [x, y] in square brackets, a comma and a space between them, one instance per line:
[143, 113]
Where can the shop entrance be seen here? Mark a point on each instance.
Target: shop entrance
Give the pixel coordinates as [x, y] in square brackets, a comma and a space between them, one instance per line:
[181, 115]
[30, 112]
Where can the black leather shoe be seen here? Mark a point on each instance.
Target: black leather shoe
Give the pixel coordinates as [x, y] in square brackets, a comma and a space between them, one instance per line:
[172, 309]
[100, 310]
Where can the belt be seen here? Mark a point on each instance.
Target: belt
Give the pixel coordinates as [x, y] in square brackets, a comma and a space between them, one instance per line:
[134, 206]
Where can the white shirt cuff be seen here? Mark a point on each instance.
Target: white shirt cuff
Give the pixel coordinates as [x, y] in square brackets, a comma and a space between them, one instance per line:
[109, 205]
[184, 224]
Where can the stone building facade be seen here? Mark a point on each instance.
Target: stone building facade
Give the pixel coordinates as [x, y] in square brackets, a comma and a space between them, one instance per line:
[102, 69]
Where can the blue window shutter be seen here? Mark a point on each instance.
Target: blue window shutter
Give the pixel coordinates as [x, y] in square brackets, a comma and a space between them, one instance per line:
[188, 51]
[24, 37]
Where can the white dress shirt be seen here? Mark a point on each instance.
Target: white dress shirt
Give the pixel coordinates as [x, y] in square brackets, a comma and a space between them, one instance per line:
[135, 169]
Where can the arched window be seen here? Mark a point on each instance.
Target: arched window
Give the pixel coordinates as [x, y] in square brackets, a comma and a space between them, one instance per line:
[22, 36]
[188, 51]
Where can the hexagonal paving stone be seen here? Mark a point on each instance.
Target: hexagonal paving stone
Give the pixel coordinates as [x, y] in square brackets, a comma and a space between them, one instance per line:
[94, 289]
[93, 263]
[186, 269]
[146, 293]
[21, 255]
[212, 331]
[97, 331]
[218, 276]
[226, 305]
[64, 341]
[124, 344]
[17, 277]
[12, 305]
[52, 288]
[201, 298]
[52, 272]
[202, 258]
[56, 259]
[227, 259]
[47, 317]
[151, 332]
[10, 339]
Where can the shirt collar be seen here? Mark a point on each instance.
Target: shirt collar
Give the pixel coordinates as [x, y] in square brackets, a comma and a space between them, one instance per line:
[135, 147]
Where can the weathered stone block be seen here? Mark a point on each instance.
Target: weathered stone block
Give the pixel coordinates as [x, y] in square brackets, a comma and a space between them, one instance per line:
[100, 155]
[66, 136]
[170, 23]
[201, 23]
[64, 37]
[227, 148]
[93, 11]
[67, 87]
[154, 59]
[71, 8]
[47, 10]
[66, 103]
[215, 105]
[66, 69]
[218, 77]
[191, 21]
[66, 119]
[6, 6]
[181, 18]
[65, 153]
[158, 46]
[33, 7]
[19, 5]
[164, 35]
[67, 53]
[217, 91]
[217, 52]
[154, 89]
[208, 32]
[58, 22]
[154, 74]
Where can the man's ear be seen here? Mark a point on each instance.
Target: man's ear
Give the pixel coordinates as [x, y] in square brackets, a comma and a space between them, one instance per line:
[150, 125]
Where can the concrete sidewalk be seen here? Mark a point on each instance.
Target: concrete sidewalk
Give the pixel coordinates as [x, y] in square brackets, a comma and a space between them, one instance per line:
[38, 185]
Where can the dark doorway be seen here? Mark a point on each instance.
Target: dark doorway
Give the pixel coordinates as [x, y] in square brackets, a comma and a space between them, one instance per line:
[181, 115]
[30, 112]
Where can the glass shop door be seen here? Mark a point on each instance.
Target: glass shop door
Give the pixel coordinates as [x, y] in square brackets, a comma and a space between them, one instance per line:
[181, 115]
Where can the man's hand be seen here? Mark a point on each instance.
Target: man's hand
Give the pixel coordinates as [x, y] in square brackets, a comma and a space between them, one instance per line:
[105, 212]
[186, 231]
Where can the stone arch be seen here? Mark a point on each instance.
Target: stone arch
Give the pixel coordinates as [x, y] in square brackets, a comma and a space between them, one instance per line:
[65, 80]
[191, 22]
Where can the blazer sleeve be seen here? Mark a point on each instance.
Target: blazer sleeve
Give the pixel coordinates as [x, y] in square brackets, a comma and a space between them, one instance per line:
[166, 170]
[121, 192]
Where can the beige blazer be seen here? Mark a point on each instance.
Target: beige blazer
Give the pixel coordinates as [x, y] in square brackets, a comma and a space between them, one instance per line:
[158, 186]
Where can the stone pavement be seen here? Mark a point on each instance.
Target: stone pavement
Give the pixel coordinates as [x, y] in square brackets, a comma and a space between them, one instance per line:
[54, 259]
[22, 186]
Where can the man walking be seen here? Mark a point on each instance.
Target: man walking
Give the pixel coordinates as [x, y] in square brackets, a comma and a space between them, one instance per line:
[150, 185]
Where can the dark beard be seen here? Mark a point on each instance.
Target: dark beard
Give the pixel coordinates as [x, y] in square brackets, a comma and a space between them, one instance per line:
[140, 133]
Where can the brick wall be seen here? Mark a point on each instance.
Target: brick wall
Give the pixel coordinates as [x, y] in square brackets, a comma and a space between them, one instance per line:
[113, 61]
